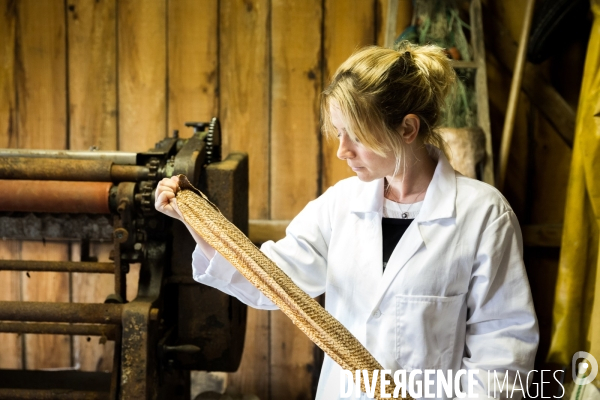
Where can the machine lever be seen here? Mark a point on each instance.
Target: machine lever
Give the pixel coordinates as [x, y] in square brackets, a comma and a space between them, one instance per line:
[184, 348]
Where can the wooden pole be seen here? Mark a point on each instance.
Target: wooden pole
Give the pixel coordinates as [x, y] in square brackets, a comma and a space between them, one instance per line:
[513, 99]
[390, 23]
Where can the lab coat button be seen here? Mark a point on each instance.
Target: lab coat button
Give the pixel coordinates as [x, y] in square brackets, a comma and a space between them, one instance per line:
[377, 314]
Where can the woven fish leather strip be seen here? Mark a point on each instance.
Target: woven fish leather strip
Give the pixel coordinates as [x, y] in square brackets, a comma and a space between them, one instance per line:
[308, 315]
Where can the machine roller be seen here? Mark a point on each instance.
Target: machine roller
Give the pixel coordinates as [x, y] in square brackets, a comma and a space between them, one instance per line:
[174, 325]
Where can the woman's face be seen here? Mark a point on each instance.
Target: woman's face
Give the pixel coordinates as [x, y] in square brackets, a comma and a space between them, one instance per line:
[367, 164]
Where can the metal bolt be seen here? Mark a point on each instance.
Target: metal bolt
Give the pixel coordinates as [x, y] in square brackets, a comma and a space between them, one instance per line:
[137, 246]
[154, 314]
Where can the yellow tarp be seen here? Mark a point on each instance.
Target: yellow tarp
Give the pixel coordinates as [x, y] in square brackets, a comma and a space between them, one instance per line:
[576, 323]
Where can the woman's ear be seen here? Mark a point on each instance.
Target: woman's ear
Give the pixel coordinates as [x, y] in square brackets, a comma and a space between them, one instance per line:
[410, 128]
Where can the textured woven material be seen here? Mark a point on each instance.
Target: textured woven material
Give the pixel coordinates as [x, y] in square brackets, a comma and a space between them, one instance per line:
[308, 315]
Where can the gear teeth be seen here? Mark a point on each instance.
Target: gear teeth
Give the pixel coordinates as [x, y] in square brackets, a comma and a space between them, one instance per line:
[213, 153]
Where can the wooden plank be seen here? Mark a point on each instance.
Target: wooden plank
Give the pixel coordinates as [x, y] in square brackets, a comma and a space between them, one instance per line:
[550, 103]
[252, 377]
[42, 115]
[551, 164]
[516, 185]
[403, 18]
[90, 353]
[46, 351]
[244, 88]
[8, 131]
[481, 88]
[92, 74]
[41, 78]
[261, 230]
[10, 344]
[192, 48]
[93, 122]
[10, 290]
[295, 130]
[142, 73]
[349, 25]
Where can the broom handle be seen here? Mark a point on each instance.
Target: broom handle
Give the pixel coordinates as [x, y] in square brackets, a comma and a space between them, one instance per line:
[515, 89]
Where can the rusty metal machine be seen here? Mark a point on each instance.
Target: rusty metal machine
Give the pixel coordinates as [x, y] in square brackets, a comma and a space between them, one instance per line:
[174, 325]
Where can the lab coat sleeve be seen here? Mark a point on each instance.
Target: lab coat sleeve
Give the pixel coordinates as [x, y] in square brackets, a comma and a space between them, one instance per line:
[302, 255]
[502, 331]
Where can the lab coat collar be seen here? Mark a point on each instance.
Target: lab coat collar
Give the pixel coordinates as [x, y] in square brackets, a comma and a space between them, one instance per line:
[440, 198]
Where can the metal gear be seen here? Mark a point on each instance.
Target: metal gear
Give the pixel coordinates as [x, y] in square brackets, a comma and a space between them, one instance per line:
[213, 142]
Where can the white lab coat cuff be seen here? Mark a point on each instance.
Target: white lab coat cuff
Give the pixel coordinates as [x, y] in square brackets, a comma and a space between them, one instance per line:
[217, 270]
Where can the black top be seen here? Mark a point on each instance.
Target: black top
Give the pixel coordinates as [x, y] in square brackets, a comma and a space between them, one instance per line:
[392, 230]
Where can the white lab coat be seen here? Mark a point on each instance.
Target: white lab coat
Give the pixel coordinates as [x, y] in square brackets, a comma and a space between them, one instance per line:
[454, 294]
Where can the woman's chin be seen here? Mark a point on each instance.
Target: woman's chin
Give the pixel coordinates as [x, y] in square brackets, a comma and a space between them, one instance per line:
[365, 176]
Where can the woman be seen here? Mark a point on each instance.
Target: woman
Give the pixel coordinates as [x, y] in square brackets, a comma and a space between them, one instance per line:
[423, 265]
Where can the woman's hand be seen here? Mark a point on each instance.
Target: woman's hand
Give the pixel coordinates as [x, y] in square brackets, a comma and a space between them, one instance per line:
[165, 197]
[167, 204]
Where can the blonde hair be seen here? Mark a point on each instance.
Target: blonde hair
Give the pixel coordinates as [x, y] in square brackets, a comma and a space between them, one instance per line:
[377, 87]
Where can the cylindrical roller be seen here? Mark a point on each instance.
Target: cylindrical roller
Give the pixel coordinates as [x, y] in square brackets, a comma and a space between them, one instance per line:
[55, 169]
[117, 157]
[57, 266]
[77, 313]
[55, 196]
[108, 331]
[69, 170]
[128, 173]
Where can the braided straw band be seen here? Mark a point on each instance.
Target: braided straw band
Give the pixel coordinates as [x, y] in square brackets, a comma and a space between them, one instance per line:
[308, 315]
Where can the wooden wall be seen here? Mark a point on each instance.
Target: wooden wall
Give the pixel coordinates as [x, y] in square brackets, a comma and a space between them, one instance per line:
[122, 74]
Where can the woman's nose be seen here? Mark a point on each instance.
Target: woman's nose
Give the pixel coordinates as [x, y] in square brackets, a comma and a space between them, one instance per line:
[344, 150]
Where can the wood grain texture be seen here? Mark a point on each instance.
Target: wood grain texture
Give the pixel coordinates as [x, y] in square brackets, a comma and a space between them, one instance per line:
[46, 351]
[10, 290]
[88, 352]
[142, 73]
[42, 123]
[296, 84]
[244, 88]
[8, 115]
[253, 376]
[10, 282]
[93, 122]
[349, 25]
[92, 74]
[192, 68]
[41, 74]
[244, 109]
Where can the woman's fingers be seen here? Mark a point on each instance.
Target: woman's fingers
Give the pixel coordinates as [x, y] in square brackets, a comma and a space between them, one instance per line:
[165, 197]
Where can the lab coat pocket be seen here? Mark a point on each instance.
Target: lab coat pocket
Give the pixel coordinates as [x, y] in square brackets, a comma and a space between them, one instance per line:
[426, 330]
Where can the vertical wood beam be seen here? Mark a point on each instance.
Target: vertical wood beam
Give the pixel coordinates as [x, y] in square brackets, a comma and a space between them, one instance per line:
[10, 281]
[10, 290]
[403, 18]
[244, 109]
[244, 76]
[295, 137]
[42, 123]
[142, 73]
[92, 50]
[92, 59]
[192, 65]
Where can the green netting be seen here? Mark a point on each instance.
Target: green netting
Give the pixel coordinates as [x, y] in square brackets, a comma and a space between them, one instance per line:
[439, 22]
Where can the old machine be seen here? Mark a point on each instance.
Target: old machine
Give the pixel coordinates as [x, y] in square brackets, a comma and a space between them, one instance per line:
[174, 325]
